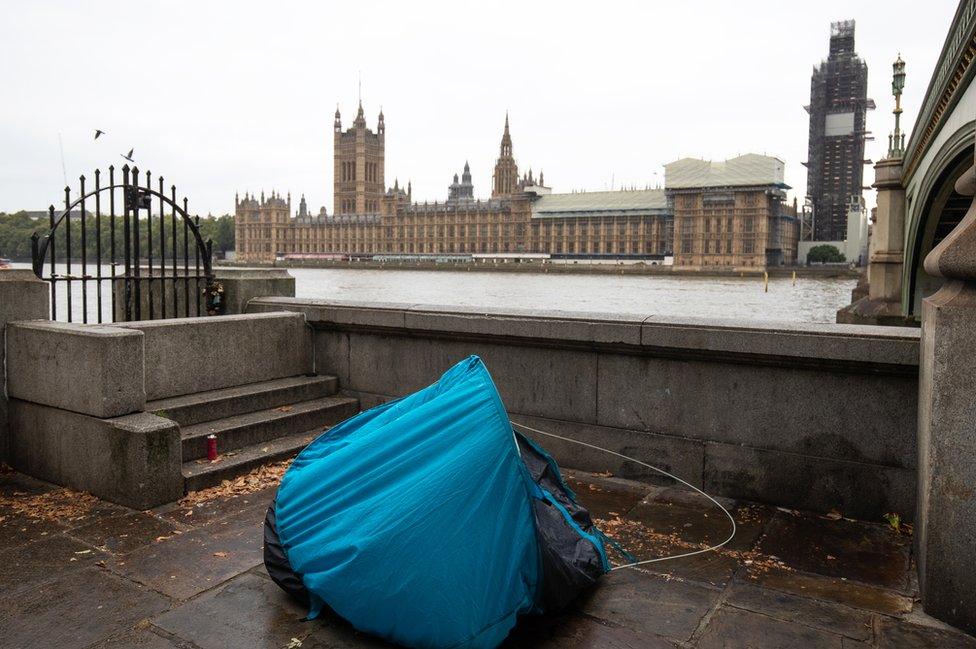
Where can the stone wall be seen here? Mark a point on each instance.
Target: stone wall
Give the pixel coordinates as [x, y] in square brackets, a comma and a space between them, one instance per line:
[816, 417]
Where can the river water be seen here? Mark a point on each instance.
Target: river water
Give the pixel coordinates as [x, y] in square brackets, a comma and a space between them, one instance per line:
[810, 300]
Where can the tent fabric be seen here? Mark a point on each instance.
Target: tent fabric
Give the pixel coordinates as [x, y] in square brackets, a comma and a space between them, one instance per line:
[429, 522]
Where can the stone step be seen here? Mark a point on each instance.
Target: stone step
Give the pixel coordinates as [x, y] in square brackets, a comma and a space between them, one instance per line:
[262, 426]
[218, 404]
[201, 474]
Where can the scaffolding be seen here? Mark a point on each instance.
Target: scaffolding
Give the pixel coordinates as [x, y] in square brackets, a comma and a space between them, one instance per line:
[838, 119]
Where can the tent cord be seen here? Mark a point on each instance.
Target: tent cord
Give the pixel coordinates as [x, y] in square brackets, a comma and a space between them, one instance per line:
[662, 472]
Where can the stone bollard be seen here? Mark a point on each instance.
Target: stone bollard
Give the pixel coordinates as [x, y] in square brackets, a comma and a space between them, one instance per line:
[241, 285]
[946, 521]
[22, 297]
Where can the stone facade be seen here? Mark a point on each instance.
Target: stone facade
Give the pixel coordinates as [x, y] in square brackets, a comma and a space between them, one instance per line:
[748, 226]
[731, 213]
[359, 165]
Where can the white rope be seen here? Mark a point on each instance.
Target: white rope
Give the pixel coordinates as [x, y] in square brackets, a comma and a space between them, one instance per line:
[662, 472]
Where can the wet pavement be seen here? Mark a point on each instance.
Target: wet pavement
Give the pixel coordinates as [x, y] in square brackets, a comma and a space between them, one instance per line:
[78, 572]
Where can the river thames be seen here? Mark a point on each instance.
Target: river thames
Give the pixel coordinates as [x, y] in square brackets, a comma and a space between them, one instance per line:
[811, 300]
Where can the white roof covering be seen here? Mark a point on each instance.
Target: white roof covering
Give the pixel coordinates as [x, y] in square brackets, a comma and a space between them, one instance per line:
[597, 203]
[748, 169]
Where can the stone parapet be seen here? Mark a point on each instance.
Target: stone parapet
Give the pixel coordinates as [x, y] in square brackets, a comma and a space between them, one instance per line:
[22, 297]
[758, 404]
[190, 355]
[241, 285]
[94, 370]
[132, 460]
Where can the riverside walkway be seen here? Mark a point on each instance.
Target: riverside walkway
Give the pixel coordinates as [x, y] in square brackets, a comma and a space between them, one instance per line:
[76, 571]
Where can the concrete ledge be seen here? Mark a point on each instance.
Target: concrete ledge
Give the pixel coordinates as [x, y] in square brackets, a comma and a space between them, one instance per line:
[842, 347]
[196, 354]
[22, 297]
[133, 460]
[857, 490]
[95, 370]
[241, 285]
[806, 416]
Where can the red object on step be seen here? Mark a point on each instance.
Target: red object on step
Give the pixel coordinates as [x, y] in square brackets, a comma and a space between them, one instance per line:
[211, 447]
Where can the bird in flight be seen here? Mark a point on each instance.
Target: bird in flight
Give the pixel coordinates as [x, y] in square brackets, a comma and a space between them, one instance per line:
[128, 156]
[98, 132]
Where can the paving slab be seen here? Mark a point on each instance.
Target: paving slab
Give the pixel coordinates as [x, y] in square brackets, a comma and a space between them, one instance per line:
[826, 616]
[734, 628]
[141, 638]
[253, 612]
[576, 632]
[43, 561]
[833, 589]
[76, 610]
[872, 554]
[14, 483]
[648, 604]
[894, 634]
[200, 514]
[206, 587]
[702, 523]
[190, 563]
[246, 611]
[18, 529]
[606, 496]
[122, 534]
[671, 522]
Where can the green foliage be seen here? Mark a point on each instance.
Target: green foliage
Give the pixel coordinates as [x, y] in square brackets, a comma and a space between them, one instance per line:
[825, 253]
[16, 230]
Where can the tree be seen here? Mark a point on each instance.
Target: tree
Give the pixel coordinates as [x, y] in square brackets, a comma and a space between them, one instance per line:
[16, 230]
[825, 254]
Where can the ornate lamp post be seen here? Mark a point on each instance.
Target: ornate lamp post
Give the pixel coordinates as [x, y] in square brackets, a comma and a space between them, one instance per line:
[896, 141]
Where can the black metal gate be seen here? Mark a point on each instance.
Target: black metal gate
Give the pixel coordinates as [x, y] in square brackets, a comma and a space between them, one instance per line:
[136, 265]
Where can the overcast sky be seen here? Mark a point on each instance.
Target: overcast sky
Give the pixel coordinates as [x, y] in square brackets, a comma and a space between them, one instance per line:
[225, 96]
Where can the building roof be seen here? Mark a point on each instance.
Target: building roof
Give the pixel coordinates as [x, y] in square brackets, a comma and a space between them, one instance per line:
[746, 170]
[601, 203]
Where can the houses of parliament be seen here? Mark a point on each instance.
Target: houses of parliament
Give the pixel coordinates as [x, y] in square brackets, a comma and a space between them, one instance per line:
[730, 213]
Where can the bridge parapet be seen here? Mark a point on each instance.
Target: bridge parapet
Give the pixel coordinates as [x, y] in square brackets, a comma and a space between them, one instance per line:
[947, 426]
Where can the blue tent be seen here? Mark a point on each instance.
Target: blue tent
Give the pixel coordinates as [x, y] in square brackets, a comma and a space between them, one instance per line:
[429, 522]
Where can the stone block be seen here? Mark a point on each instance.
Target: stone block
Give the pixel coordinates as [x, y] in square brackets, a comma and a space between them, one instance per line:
[241, 285]
[825, 345]
[336, 314]
[570, 327]
[330, 350]
[840, 415]
[95, 370]
[856, 489]
[196, 354]
[134, 460]
[682, 457]
[22, 297]
[531, 380]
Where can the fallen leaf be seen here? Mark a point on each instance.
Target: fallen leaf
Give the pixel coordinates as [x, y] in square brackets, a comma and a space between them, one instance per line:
[284, 409]
[220, 555]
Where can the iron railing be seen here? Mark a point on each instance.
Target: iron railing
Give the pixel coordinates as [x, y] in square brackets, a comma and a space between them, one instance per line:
[148, 271]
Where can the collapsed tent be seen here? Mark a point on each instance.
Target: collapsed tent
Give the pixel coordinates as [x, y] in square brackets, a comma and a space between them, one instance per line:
[429, 522]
